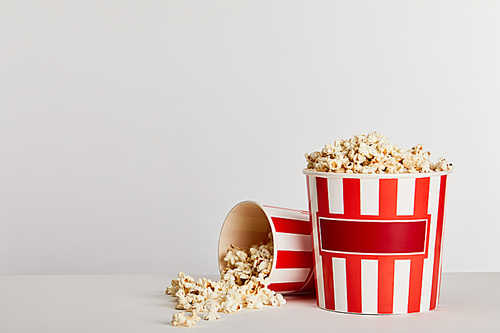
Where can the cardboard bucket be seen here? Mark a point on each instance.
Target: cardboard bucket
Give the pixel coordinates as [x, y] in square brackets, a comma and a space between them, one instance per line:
[250, 222]
[377, 240]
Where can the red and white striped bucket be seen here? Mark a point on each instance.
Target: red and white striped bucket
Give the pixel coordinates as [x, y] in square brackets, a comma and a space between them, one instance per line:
[378, 240]
[249, 223]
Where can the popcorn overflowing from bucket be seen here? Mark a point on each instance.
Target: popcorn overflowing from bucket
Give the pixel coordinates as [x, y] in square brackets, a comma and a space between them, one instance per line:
[244, 284]
[372, 153]
[377, 216]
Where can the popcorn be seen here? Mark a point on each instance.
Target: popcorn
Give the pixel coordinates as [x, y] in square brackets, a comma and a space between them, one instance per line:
[254, 302]
[372, 153]
[180, 319]
[212, 308]
[244, 284]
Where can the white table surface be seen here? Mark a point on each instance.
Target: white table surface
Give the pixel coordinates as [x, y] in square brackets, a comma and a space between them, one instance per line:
[470, 302]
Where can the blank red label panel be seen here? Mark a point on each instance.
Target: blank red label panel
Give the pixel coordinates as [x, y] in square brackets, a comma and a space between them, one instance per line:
[373, 237]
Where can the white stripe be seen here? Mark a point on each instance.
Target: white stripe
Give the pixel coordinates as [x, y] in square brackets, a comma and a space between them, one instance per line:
[369, 286]
[406, 196]
[335, 196]
[318, 267]
[286, 213]
[281, 275]
[339, 284]
[401, 286]
[293, 242]
[369, 196]
[309, 278]
[439, 278]
[313, 194]
[432, 208]
[320, 285]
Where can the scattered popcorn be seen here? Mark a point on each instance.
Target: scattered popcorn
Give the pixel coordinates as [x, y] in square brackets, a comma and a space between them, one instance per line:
[180, 319]
[244, 284]
[372, 153]
[254, 302]
[212, 308]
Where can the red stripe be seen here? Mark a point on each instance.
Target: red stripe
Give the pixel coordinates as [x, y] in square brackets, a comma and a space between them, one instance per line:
[353, 283]
[294, 259]
[322, 192]
[437, 249]
[385, 285]
[415, 290]
[352, 195]
[438, 294]
[291, 226]
[421, 204]
[328, 282]
[286, 286]
[421, 196]
[388, 198]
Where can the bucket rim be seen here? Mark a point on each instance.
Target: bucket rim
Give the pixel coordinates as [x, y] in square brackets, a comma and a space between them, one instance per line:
[375, 175]
[262, 208]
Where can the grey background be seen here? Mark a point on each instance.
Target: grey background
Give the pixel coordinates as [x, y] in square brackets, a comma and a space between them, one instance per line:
[129, 129]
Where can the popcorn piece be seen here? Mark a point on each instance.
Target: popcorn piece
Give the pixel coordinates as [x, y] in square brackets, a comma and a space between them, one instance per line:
[278, 300]
[212, 309]
[211, 316]
[372, 153]
[180, 319]
[231, 304]
[253, 302]
[244, 283]
[442, 165]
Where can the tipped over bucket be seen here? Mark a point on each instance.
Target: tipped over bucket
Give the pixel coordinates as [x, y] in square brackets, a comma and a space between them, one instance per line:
[250, 222]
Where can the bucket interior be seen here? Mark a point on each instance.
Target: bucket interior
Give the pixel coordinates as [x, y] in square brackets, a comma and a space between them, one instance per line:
[245, 225]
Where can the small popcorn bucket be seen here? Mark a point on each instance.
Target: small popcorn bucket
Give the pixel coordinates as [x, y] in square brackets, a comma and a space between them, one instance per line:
[250, 222]
[377, 240]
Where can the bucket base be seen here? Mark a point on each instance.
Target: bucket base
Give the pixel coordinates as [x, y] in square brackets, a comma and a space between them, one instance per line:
[372, 314]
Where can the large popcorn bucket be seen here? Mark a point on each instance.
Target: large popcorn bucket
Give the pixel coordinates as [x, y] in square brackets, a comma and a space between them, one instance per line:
[249, 223]
[377, 240]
